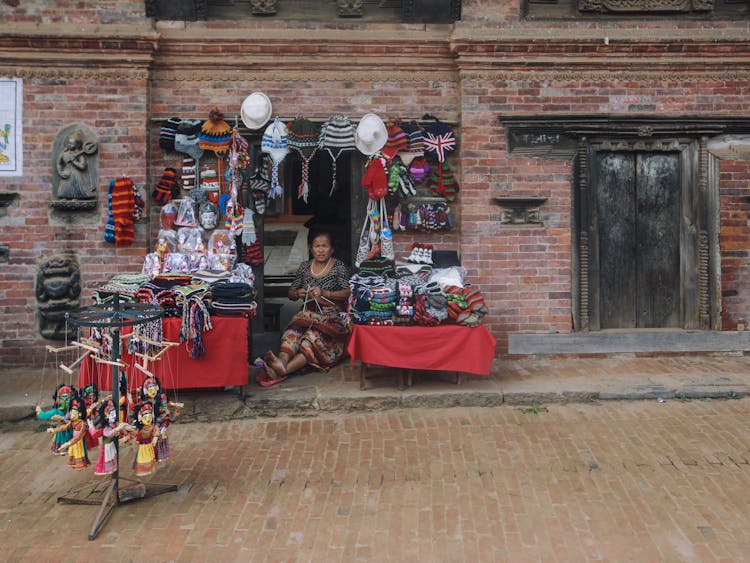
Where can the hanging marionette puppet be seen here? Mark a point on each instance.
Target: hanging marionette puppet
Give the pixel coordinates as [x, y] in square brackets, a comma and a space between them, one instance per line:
[90, 394]
[164, 417]
[126, 399]
[107, 429]
[62, 397]
[78, 457]
[146, 437]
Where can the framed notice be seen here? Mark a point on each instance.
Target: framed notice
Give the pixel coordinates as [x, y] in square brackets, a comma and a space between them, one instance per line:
[11, 128]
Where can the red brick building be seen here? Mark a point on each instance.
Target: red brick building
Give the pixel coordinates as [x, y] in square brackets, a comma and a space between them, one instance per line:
[602, 158]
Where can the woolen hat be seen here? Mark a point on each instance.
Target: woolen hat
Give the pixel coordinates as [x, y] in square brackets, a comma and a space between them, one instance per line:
[336, 136]
[256, 110]
[187, 138]
[371, 134]
[414, 145]
[439, 140]
[397, 140]
[275, 143]
[303, 137]
[216, 133]
[167, 132]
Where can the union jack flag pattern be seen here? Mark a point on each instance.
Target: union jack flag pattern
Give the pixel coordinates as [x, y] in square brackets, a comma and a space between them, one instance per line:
[442, 144]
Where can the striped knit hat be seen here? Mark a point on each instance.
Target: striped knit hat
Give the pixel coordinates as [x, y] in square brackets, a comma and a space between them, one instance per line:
[167, 133]
[123, 207]
[303, 138]
[396, 142]
[187, 138]
[415, 144]
[336, 136]
[216, 133]
[443, 183]
[275, 143]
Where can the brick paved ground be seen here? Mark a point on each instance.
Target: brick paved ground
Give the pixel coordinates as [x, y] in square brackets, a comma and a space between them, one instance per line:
[620, 481]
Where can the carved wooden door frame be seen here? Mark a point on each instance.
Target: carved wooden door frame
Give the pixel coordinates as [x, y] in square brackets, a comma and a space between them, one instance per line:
[700, 294]
[703, 140]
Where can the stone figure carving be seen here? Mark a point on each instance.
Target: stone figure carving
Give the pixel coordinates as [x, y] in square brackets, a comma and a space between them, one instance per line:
[351, 8]
[58, 290]
[633, 6]
[76, 173]
[263, 7]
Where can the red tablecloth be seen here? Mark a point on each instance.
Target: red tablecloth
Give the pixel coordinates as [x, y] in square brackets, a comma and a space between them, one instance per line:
[438, 348]
[225, 362]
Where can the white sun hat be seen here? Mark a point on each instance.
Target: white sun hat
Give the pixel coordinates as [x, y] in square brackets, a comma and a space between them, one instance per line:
[371, 134]
[256, 110]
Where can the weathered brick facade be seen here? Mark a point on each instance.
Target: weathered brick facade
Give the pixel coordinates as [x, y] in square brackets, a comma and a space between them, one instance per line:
[106, 65]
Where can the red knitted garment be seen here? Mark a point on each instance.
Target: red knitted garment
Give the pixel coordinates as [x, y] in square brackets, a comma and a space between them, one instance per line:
[123, 207]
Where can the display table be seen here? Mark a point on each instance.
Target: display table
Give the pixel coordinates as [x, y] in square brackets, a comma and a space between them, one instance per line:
[435, 348]
[224, 364]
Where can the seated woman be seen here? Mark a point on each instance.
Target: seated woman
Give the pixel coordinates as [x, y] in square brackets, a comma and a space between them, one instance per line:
[317, 335]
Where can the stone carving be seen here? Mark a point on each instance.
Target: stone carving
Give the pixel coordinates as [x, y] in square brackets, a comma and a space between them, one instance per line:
[58, 290]
[263, 7]
[76, 169]
[634, 6]
[351, 8]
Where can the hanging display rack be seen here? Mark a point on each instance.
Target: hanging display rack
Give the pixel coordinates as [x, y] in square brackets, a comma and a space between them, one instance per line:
[113, 316]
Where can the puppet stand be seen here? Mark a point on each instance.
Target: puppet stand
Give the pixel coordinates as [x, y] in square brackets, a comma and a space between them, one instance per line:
[109, 495]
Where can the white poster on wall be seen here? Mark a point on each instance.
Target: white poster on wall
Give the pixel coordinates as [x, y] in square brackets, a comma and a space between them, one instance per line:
[11, 128]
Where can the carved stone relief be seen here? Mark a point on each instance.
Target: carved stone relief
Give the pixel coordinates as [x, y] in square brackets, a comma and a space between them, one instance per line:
[75, 169]
[58, 290]
[263, 7]
[351, 8]
[635, 6]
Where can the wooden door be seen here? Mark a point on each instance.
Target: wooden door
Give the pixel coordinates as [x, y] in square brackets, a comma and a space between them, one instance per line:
[638, 196]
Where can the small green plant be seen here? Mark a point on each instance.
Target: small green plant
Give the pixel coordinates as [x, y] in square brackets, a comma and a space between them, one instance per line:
[684, 398]
[534, 409]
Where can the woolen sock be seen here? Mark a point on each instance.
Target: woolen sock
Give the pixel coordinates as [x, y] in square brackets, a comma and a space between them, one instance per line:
[123, 207]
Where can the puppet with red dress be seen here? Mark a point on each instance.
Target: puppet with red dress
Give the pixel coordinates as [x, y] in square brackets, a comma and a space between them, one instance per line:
[145, 437]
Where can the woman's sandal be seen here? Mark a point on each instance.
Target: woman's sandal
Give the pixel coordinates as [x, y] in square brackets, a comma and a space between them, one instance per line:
[270, 376]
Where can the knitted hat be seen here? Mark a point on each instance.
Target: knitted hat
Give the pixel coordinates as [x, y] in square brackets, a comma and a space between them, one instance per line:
[303, 138]
[396, 141]
[439, 140]
[419, 169]
[275, 143]
[414, 145]
[443, 183]
[256, 110]
[377, 265]
[336, 136]
[188, 173]
[215, 133]
[371, 134]
[167, 187]
[186, 139]
[123, 206]
[167, 133]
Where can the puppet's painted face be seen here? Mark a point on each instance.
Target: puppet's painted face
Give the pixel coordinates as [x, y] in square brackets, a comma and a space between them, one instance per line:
[63, 398]
[111, 415]
[75, 414]
[147, 418]
[90, 395]
[151, 388]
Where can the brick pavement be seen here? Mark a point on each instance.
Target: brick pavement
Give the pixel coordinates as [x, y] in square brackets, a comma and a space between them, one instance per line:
[618, 481]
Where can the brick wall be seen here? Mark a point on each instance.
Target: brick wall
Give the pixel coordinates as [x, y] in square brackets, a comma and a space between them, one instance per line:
[116, 110]
[525, 272]
[74, 11]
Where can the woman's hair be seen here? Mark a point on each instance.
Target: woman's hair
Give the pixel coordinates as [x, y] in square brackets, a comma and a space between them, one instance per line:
[315, 234]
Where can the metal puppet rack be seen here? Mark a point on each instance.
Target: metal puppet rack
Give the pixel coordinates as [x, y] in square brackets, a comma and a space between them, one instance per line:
[113, 316]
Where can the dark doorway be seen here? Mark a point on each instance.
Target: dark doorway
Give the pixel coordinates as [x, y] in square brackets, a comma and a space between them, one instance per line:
[638, 199]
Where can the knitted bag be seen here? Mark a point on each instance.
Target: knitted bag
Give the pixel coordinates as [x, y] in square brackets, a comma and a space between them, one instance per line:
[386, 236]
